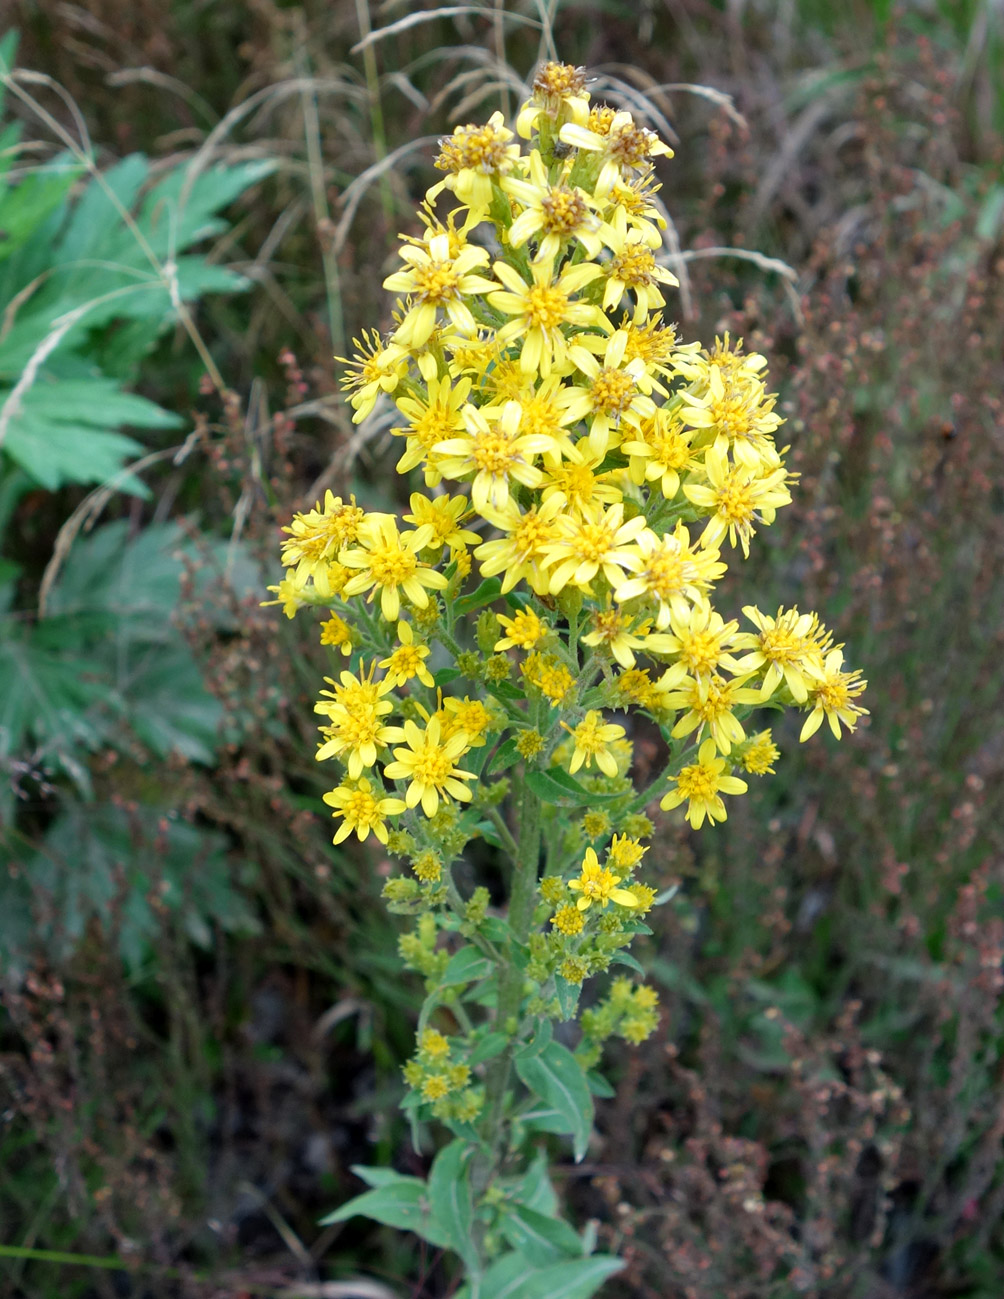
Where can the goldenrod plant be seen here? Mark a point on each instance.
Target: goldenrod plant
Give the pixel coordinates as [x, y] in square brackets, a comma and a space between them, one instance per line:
[588, 477]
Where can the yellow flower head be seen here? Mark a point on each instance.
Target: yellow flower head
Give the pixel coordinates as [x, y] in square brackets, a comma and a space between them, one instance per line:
[475, 157]
[363, 807]
[568, 920]
[597, 884]
[387, 561]
[427, 762]
[833, 697]
[759, 754]
[701, 786]
[408, 660]
[522, 631]
[559, 92]
[593, 739]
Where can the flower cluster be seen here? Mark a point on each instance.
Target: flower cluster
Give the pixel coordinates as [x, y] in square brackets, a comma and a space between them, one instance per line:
[588, 475]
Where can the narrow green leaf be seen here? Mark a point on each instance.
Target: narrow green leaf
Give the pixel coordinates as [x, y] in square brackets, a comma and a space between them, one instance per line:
[466, 966]
[401, 1204]
[486, 593]
[558, 1079]
[452, 1201]
[377, 1176]
[541, 1237]
[534, 1189]
[578, 1278]
[505, 756]
[490, 1046]
[555, 785]
[625, 958]
[568, 996]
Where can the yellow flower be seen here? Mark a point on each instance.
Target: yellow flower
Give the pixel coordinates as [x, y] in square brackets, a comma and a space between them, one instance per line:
[701, 786]
[541, 308]
[316, 536]
[428, 867]
[633, 269]
[575, 483]
[427, 763]
[551, 677]
[443, 514]
[585, 546]
[833, 697]
[710, 703]
[388, 562]
[362, 810]
[437, 278]
[337, 633]
[289, 593]
[553, 214]
[494, 450]
[615, 630]
[374, 369]
[467, 715]
[615, 392]
[476, 158]
[758, 754]
[660, 452]
[623, 147]
[625, 853]
[592, 739]
[522, 631]
[742, 416]
[431, 420]
[559, 90]
[735, 497]
[521, 554]
[700, 642]
[354, 709]
[791, 645]
[597, 884]
[433, 1045]
[568, 920]
[408, 660]
[669, 570]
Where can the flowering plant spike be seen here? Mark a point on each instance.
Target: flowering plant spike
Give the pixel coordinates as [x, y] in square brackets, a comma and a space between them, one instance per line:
[588, 477]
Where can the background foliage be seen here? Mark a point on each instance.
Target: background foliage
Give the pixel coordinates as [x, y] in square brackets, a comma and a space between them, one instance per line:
[203, 1017]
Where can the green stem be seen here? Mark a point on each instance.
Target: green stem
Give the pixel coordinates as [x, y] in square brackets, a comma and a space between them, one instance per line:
[521, 906]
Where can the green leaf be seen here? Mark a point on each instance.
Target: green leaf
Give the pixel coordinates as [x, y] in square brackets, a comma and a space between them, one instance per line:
[555, 785]
[558, 1079]
[487, 593]
[534, 1189]
[402, 1203]
[625, 958]
[466, 966]
[599, 1086]
[513, 1276]
[490, 1046]
[541, 1039]
[541, 1237]
[505, 756]
[452, 1201]
[575, 1279]
[377, 1176]
[568, 996]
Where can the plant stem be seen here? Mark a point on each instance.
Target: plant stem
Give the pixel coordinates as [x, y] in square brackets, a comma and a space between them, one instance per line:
[521, 905]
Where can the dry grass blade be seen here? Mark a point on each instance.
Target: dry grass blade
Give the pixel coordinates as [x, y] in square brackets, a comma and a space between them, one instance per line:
[147, 76]
[717, 97]
[788, 274]
[449, 11]
[353, 194]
